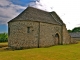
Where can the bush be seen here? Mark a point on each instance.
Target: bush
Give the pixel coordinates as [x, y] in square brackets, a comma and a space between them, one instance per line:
[3, 37]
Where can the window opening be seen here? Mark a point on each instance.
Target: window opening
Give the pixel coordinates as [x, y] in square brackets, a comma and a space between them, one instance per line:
[28, 29]
[8, 30]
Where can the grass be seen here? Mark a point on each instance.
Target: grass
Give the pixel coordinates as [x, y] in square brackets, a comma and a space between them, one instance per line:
[59, 52]
[3, 44]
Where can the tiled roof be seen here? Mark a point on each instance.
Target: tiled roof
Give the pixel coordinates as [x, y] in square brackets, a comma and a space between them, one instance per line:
[34, 14]
[75, 35]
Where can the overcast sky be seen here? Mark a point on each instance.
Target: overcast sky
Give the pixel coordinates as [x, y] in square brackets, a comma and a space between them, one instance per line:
[68, 10]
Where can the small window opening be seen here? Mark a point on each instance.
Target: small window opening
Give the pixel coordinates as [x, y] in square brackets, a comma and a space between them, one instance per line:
[28, 29]
[8, 30]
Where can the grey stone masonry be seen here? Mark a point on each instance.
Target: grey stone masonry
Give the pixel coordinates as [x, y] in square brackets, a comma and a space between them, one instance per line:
[35, 28]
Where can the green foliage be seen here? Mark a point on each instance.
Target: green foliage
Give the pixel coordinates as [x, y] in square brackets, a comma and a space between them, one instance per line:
[3, 37]
[69, 31]
[76, 29]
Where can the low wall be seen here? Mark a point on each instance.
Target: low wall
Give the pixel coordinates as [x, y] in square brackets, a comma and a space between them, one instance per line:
[66, 36]
[74, 40]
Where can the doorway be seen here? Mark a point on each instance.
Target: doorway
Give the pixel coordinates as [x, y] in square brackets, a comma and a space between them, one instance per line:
[56, 39]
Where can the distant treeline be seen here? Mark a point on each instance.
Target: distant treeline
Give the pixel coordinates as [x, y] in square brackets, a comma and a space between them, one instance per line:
[3, 37]
[76, 29]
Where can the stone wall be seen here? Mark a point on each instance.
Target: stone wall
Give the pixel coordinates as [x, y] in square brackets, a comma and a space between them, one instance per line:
[75, 40]
[19, 35]
[47, 34]
[66, 36]
[40, 34]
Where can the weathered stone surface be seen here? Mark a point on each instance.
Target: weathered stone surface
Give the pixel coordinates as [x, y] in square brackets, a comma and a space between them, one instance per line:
[40, 35]
[18, 34]
[66, 36]
[47, 34]
[35, 32]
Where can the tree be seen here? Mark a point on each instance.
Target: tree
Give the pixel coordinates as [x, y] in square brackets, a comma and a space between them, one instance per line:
[69, 31]
[76, 29]
[3, 37]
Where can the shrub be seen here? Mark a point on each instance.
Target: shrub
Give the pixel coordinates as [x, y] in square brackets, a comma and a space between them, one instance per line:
[3, 37]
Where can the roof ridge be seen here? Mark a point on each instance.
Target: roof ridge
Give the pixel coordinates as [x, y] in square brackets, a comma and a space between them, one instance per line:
[34, 14]
[37, 9]
[55, 19]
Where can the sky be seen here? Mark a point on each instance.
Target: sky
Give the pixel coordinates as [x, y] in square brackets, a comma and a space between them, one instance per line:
[68, 10]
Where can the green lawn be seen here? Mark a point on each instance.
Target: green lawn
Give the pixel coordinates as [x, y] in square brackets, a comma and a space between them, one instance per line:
[60, 52]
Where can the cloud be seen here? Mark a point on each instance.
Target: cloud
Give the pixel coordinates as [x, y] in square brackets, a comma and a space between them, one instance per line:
[68, 10]
[40, 4]
[8, 11]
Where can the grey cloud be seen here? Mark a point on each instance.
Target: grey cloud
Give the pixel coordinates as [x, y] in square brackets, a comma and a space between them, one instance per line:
[4, 3]
[8, 11]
